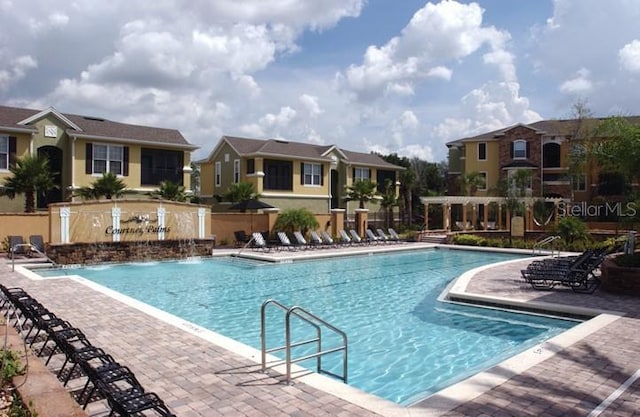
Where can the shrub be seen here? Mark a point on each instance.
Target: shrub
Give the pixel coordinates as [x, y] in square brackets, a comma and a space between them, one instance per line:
[629, 261]
[292, 220]
[572, 229]
[469, 240]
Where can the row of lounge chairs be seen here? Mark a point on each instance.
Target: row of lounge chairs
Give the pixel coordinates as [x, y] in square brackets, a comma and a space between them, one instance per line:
[17, 246]
[105, 377]
[322, 240]
[576, 272]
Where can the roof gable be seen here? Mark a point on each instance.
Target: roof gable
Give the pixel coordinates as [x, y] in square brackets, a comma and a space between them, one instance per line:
[49, 112]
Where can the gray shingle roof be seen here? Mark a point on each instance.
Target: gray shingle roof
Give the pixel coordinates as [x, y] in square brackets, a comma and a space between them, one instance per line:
[558, 127]
[284, 148]
[10, 117]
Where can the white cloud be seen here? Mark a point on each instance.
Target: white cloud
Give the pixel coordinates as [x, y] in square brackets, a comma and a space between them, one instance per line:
[310, 103]
[16, 70]
[580, 83]
[629, 56]
[437, 33]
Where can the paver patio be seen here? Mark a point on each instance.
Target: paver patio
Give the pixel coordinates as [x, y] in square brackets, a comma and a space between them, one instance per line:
[198, 378]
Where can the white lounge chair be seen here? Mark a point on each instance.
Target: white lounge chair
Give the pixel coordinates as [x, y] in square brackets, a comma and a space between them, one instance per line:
[284, 241]
[344, 238]
[382, 236]
[355, 238]
[371, 238]
[302, 242]
[315, 239]
[327, 239]
[394, 235]
[258, 241]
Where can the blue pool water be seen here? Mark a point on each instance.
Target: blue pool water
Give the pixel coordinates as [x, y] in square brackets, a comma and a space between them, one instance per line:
[403, 343]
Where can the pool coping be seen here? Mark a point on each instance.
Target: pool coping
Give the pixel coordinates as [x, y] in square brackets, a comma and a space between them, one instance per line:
[433, 405]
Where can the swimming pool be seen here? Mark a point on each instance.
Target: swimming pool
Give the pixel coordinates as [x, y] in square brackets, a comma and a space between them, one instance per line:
[403, 343]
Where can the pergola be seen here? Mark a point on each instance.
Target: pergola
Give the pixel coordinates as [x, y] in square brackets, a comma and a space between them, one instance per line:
[447, 202]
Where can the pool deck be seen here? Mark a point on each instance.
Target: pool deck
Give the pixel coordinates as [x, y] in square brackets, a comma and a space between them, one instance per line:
[592, 370]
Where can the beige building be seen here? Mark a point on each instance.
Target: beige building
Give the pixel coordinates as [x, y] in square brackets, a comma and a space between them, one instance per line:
[81, 148]
[290, 174]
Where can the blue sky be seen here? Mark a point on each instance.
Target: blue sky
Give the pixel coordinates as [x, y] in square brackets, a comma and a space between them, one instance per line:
[368, 75]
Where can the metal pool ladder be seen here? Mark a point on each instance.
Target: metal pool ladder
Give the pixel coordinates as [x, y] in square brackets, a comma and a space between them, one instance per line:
[546, 241]
[318, 324]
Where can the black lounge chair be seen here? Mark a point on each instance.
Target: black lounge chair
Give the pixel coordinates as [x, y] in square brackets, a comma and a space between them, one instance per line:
[576, 273]
[37, 244]
[259, 242]
[18, 247]
[241, 238]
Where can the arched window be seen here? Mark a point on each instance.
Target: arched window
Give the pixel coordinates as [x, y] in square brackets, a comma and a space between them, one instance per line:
[519, 149]
[551, 155]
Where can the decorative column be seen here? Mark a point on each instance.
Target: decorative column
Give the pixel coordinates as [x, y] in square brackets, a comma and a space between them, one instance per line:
[500, 217]
[65, 214]
[116, 212]
[162, 215]
[337, 221]
[362, 217]
[201, 222]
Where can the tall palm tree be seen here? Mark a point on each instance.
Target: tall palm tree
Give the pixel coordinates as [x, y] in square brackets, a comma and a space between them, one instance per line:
[389, 200]
[107, 186]
[31, 176]
[361, 191]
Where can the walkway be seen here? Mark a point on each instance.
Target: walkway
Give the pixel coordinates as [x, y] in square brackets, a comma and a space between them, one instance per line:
[195, 376]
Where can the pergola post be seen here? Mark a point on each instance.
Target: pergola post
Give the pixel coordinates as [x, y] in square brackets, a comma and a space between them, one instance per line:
[464, 216]
[486, 216]
[446, 216]
[426, 216]
[500, 225]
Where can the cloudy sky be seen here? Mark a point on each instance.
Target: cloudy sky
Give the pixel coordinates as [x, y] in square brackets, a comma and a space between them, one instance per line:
[401, 76]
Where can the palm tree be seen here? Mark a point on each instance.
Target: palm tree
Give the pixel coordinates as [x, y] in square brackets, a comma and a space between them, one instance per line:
[107, 186]
[30, 176]
[389, 200]
[361, 191]
[240, 191]
[470, 182]
[169, 190]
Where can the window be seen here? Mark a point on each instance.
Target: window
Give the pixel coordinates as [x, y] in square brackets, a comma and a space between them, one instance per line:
[251, 166]
[482, 151]
[580, 182]
[107, 158]
[551, 155]
[384, 177]
[218, 174]
[278, 175]
[482, 183]
[4, 152]
[311, 174]
[157, 165]
[520, 149]
[361, 174]
[236, 171]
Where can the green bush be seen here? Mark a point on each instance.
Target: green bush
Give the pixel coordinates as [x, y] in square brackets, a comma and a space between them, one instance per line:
[629, 261]
[292, 220]
[469, 240]
[572, 229]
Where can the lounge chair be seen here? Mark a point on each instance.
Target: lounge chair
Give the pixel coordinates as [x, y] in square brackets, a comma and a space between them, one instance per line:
[241, 238]
[284, 241]
[394, 235]
[300, 240]
[371, 238]
[328, 240]
[258, 241]
[37, 244]
[576, 273]
[315, 239]
[383, 236]
[355, 238]
[344, 238]
[18, 247]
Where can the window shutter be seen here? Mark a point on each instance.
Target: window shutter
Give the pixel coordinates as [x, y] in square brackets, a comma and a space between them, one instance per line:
[353, 175]
[301, 173]
[512, 146]
[322, 174]
[88, 163]
[125, 161]
[369, 174]
[13, 150]
[528, 150]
